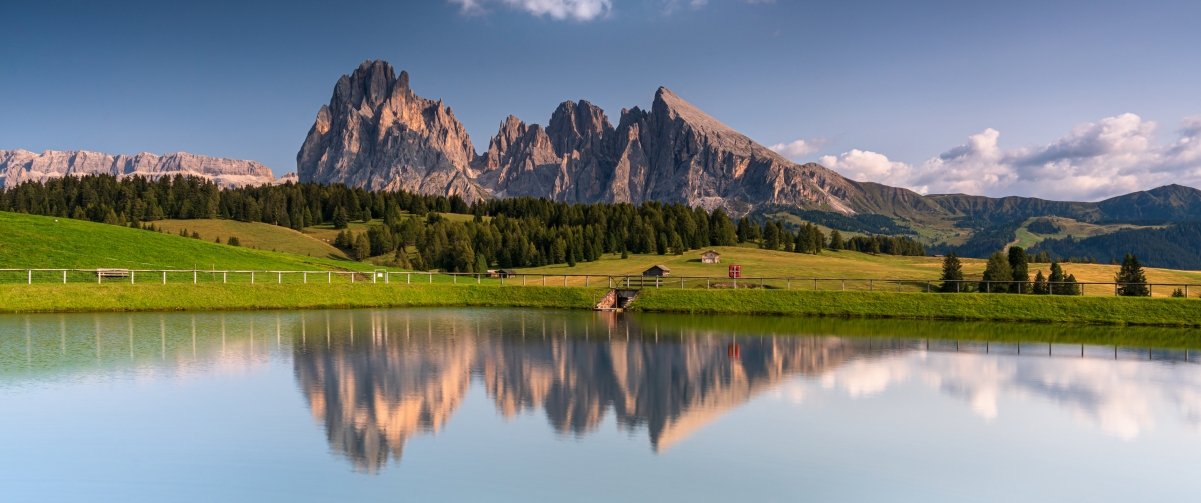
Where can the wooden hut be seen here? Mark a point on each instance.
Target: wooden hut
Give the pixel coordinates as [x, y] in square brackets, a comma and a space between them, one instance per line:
[711, 257]
[659, 271]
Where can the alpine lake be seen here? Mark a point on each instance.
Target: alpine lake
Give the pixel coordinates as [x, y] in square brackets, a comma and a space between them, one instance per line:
[470, 404]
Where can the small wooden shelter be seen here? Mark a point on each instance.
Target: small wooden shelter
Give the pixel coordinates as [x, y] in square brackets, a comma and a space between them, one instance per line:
[503, 273]
[711, 257]
[658, 270]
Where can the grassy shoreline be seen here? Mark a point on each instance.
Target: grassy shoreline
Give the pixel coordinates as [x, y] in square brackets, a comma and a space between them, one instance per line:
[918, 306]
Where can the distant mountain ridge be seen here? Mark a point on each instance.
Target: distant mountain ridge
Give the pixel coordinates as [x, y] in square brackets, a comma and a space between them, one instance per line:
[377, 133]
[18, 166]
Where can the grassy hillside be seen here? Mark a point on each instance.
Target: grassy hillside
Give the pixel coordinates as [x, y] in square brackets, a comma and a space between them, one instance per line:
[48, 242]
[1067, 227]
[256, 235]
[841, 264]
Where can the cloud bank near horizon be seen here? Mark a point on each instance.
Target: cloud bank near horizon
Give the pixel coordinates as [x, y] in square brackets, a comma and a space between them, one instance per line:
[1113, 156]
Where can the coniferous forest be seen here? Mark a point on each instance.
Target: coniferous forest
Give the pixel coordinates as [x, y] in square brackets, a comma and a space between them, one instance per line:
[517, 232]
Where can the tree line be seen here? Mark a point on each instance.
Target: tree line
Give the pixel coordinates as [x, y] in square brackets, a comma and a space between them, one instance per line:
[1010, 273]
[515, 232]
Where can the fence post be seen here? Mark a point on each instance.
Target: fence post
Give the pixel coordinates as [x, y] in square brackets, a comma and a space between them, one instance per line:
[306, 277]
[543, 280]
[927, 287]
[1115, 289]
[131, 274]
[681, 283]
[479, 278]
[193, 276]
[815, 283]
[431, 278]
[522, 280]
[844, 285]
[957, 287]
[454, 278]
[224, 276]
[564, 280]
[1081, 290]
[30, 282]
[898, 287]
[871, 287]
[329, 278]
[252, 277]
[1150, 289]
[65, 282]
[280, 279]
[165, 278]
[706, 283]
[409, 278]
[788, 283]
[352, 277]
[99, 277]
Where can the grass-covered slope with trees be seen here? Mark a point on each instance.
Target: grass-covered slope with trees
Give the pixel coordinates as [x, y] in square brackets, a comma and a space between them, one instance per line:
[28, 241]
[1172, 247]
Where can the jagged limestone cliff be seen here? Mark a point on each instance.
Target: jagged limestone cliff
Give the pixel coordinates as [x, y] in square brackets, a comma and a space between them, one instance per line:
[17, 166]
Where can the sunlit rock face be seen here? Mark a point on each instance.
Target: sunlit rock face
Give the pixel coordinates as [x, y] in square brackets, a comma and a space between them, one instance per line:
[378, 134]
[18, 166]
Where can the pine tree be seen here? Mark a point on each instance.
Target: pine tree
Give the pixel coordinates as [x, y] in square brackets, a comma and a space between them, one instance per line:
[481, 263]
[1072, 288]
[362, 247]
[1055, 280]
[340, 218]
[1132, 281]
[233, 241]
[771, 236]
[835, 239]
[661, 244]
[996, 274]
[744, 230]
[1019, 264]
[952, 273]
[1040, 284]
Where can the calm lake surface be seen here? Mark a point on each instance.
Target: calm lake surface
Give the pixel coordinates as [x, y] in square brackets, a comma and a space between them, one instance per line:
[529, 405]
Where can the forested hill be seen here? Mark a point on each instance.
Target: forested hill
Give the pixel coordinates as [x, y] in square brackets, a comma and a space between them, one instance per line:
[1170, 202]
[1174, 247]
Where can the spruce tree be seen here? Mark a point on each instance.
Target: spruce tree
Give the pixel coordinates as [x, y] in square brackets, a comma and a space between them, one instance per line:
[661, 244]
[1132, 281]
[362, 247]
[1056, 279]
[481, 263]
[952, 273]
[1072, 287]
[340, 218]
[771, 237]
[835, 239]
[1019, 264]
[1040, 284]
[997, 274]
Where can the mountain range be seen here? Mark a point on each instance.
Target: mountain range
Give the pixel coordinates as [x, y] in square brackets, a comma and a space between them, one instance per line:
[377, 133]
[17, 166]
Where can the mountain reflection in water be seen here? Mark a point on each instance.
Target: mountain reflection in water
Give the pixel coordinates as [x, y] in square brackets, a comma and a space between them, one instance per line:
[406, 372]
[374, 379]
[410, 373]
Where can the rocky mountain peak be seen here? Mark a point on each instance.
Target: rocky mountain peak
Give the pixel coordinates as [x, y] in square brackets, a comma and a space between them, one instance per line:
[377, 133]
[579, 127]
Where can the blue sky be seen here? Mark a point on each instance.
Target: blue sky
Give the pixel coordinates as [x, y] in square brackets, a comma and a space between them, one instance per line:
[1052, 99]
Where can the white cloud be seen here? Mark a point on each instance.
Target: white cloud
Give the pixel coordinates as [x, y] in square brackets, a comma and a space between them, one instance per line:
[579, 10]
[799, 148]
[1113, 156]
[869, 166]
